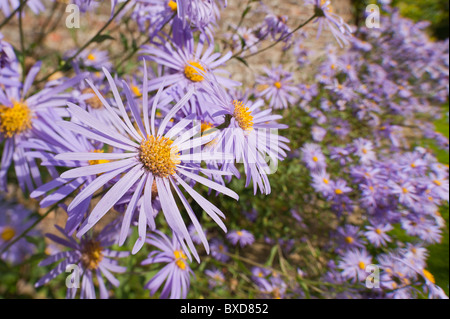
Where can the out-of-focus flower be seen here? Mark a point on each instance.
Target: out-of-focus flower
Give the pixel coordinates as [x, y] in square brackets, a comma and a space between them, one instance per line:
[176, 273]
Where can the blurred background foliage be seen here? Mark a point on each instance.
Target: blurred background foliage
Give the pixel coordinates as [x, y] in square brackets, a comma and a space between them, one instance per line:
[434, 11]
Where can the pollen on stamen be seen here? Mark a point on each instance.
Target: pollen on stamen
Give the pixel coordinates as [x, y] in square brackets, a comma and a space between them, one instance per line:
[15, 120]
[180, 259]
[159, 156]
[429, 276]
[8, 233]
[172, 5]
[191, 71]
[95, 162]
[91, 255]
[243, 116]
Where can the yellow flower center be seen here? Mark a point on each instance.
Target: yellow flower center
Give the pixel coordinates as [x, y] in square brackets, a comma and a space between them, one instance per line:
[180, 259]
[95, 162]
[173, 5]
[206, 126]
[278, 85]
[91, 255]
[429, 276]
[405, 190]
[378, 231]
[239, 233]
[136, 90]
[191, 73]
[326, 181]
[349, 240]
[159, 156]
[362, 265]
[91, 57]
[338, 191]
[243, 116]
[15, 120]
[8, 233]
[328, 8]
[438, 183]
[315, 159]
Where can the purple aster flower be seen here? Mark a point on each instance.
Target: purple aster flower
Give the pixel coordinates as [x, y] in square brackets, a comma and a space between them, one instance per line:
[151, 158]
[152, 15]
[186, 64]
[321, 182]
[349, 237]
[276, 28]
[318, 133]
[90, 5]
[259, 273]
[340, 154]
[176, 273]
[340, 127]
[273, 287]
[199, 13]
[9, 65]
[242, 237]
[439, 186]
[219, 250]
[51, 139]
[96, 59]
[364, 149]
[251, 215]
[416, 254]
[18, 114]
[377, 236]
[301, 52]
[14, 220]
[340, 188]
[405, 191]
[93, 258]
[277, 86]
[325, 17]
[307, 92]
[354, 263]
[196, 238]
[251, 135]
[313, 157]
[216, 277]
[244, 38]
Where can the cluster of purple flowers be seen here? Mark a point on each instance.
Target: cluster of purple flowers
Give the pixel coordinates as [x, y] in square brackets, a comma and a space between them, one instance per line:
[145, 144]
[138, 153]
[372, 176]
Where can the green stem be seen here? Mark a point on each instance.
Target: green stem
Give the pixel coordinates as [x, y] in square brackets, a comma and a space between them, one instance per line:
[41, 218]
[19, 8]
[136, 49]
[275, 43]
[91, 40]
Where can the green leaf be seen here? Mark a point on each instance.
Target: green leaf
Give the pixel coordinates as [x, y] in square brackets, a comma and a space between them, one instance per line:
[242, 61]
[102, 37]
[124, 41]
